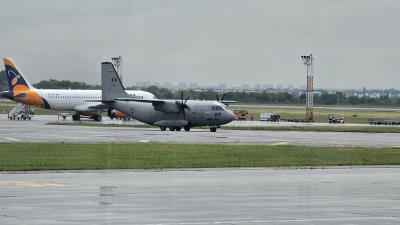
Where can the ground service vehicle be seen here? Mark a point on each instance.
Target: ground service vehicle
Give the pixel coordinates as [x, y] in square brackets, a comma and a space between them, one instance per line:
[335, 119]
[240, 114]
[270, 117]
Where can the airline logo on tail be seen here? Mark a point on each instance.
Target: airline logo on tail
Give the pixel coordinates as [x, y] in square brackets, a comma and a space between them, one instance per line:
[16, 81]
[20, 90]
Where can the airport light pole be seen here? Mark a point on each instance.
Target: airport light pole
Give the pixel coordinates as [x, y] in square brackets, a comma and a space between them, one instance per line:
[308, 61]
[117, 61]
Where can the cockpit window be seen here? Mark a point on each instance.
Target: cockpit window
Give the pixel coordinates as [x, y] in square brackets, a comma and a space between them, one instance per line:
[217, 108]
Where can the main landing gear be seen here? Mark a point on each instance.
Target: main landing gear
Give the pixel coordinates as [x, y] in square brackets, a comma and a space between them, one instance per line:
[186, 128]
[77, 117]
[213, 129]
[96, 117]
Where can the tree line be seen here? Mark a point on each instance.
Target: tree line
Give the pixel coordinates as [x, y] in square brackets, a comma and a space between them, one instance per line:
[264, 97]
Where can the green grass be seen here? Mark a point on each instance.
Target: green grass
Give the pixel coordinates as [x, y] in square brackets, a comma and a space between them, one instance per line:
[361, 129]
[58, 156]
[366, 129]
[360, 116]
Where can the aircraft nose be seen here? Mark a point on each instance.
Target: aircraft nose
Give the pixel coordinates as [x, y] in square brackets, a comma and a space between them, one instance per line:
[231, 116]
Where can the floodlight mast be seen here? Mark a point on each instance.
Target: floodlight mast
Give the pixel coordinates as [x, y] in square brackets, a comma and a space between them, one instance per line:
[117, 61]
[308, 61]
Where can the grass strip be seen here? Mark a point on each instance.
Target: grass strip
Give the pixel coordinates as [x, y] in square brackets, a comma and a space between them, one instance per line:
[59, 156]
[360, 129]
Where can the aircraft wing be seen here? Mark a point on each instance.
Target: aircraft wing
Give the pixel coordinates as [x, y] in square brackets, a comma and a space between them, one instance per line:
[167, 106]
[91, 107]
[98, 106]
[229, 102]
[153, 101]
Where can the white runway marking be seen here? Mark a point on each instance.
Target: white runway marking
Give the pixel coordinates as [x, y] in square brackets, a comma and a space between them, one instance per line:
[280, 143]
[12, 139]
[274, 221]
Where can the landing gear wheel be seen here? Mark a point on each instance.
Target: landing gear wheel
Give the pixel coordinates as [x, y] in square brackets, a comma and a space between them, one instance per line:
[163, 128]
[76, 117]
[187, 128]
[171, 128]
[97, 118]
[213, 129]
[178, 128]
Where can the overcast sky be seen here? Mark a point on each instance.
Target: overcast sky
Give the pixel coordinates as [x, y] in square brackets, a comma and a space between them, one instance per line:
[355, 42]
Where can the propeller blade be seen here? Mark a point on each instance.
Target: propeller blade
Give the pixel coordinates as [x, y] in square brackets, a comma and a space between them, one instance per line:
[223, 96]
[187, 98]
[218, 98]
[182, 97]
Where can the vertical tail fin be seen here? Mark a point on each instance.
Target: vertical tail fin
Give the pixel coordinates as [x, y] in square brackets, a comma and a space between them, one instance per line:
[16, 80]
[111, 85]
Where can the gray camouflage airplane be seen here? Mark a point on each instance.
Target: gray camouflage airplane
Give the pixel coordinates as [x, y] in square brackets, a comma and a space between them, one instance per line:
[172, 114]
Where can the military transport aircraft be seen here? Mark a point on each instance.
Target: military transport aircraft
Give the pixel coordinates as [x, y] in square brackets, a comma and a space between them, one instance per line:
[172, 114]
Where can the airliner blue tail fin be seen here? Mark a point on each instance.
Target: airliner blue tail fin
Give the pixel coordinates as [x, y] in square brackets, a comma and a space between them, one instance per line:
[16, 80]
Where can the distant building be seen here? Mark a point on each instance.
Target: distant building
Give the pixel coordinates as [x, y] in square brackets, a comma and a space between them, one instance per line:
[194, 85]
[245, 86]
[167, 84]
[222, 86]
[268, 86]
[182, 85]
[143, 83]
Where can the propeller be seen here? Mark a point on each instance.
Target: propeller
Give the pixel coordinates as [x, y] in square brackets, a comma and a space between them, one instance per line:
[222, 98]
[182, 104]
[223, 101]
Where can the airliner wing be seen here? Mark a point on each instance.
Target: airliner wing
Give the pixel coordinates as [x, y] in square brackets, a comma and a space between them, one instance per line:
[98, 106]
[90, 107]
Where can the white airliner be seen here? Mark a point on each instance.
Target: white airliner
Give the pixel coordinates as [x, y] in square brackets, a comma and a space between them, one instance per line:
[83, 102]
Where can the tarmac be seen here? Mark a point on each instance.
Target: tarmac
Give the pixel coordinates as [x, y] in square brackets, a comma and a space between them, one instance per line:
[37, 131]
[202, 197]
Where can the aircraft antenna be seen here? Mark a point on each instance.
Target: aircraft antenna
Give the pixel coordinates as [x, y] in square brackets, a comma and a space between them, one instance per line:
[308, 62]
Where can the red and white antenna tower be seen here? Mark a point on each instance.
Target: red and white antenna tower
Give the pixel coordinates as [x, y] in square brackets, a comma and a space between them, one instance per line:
[117, 61]
[308, 61]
